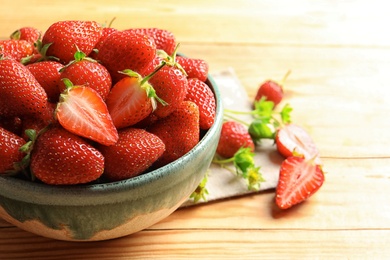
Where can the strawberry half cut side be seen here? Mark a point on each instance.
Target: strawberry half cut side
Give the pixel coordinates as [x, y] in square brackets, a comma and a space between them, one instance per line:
[82, 111]
[298, 180]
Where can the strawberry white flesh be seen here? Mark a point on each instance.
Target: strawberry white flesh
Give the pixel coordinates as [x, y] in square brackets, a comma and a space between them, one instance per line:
[298, 180]
[82, 111]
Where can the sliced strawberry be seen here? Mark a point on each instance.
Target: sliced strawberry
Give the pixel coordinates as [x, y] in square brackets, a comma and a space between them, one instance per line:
[82, 111]
[293, 139]
[298, 180]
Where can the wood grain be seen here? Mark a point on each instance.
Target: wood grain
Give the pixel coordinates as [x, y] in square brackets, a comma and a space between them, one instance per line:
[338, 52]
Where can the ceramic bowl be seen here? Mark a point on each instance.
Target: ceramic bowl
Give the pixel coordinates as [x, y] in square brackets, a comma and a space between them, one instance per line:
[111, 210]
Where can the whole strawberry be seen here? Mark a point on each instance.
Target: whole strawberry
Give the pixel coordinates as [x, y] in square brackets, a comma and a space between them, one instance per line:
[195, 68]
[179, 132]
[135, 151]
[10, 144]
[233, 137]
[16, 49]
[62, 158]
[47, 73]
[66, 36]
[20, 93]
[164, 39]
[201, 94]
[124, 50]
[171, 85]
[28, 33]
[87, 72]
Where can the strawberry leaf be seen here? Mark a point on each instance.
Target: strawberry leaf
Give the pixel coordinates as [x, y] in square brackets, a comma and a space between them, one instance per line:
[285, 114]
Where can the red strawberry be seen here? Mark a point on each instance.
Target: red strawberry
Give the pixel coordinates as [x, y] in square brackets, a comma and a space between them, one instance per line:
[47, 73]
[20, 93]
[298, 180]
[272, 90]
[106, 31]
[131, 99]
[67, 36]
[87, 72]
[62, 158]
[9, 150]
[171, 86]
[38, 124]
[164, 39]
[82, 111]
[233, 136]
[12, 124]
[201, 94]
[16, 49]
[30, 34]
[179, 132]
[135, 151]
[195, 68]
[126, 50]
[293, 139]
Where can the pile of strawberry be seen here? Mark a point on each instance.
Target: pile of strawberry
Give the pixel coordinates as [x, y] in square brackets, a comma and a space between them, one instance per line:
[84, 103]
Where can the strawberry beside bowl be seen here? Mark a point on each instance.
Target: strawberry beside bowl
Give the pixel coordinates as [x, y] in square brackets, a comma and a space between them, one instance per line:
[105, 211]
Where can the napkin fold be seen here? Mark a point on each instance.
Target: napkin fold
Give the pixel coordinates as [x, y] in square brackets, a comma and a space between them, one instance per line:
[222, 183]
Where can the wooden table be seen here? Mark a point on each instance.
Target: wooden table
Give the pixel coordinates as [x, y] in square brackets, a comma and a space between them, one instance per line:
[339, 54]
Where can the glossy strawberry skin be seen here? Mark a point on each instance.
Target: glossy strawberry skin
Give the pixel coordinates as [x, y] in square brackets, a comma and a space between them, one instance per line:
[62, 158]
[170, 84]
[16, 49]
[47, 73]
[135, 151]
[87, 73]
[164, 39]
[82, 111]
[28, 33]
[20, 93]
[9, 150]
[195, 68]
[106, 31]
[201, 94]
[123, 50]
[66, 35]
[179, 132]
[233, 136]
[270, 90]
[298, 180]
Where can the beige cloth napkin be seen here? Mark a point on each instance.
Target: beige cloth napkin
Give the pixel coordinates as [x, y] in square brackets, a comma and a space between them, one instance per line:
[221, 182]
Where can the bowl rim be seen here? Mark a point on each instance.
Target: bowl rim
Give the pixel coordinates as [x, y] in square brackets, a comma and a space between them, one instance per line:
[41, 193]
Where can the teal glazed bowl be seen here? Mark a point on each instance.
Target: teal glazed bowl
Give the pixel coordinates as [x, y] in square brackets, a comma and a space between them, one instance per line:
[110, 210]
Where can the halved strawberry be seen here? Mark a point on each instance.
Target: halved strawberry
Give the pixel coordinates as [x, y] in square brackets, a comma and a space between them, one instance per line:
[293, 139]
[82, 111]
[298, 180]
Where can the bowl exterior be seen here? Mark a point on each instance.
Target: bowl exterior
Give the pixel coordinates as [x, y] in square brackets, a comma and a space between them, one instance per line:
[112, 210]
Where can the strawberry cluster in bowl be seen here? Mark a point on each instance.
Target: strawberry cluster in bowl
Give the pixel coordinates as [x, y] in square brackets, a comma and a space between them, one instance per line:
[103, 131]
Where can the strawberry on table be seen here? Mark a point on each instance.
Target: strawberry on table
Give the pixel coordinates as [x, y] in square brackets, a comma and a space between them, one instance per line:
[272, 90]
[10, 144]
[126, 50]
[84, 71]
[201, 94]
[135, 151]
[234, 136]
[66, 36]
[195, 68]
[298, 180]
[179, 131]
[20, 93]
[82, 111]
[62, 158]
[293, 139]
